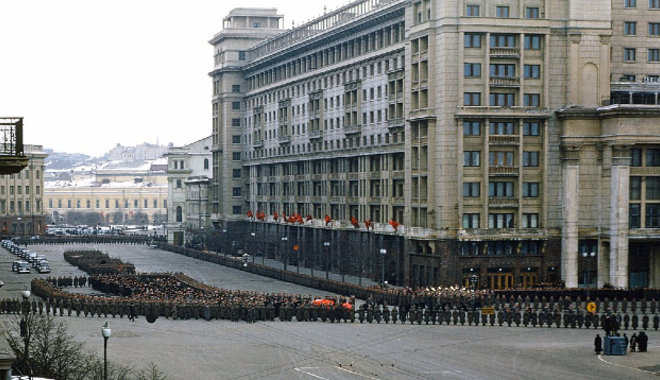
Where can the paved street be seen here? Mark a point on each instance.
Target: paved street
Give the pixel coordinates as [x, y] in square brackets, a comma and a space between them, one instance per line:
[219, 349]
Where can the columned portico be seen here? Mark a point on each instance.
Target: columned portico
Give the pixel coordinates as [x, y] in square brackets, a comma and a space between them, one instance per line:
[571, 195]
[619, 196]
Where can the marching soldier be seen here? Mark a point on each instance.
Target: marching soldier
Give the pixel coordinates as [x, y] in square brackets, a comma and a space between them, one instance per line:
[395, 315]
[386, 314]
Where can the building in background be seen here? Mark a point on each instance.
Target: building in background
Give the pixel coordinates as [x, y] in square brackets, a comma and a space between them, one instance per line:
[188, 173]
[512, 140]
[21, 196]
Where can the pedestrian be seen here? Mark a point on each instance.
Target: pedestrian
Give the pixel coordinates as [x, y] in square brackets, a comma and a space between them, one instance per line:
[633, 342]
[598, 344]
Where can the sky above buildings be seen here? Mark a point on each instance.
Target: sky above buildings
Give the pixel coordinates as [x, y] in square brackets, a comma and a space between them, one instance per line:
[87, 75]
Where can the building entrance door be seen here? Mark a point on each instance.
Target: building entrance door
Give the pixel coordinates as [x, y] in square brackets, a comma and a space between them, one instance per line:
[500, 280]
[528, 279]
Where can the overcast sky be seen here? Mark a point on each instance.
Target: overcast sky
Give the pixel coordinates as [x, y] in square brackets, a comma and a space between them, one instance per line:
[88, 74]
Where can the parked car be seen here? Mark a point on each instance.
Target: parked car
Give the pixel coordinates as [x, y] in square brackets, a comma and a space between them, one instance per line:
[43, 267]
[23, 267]
[15, 265]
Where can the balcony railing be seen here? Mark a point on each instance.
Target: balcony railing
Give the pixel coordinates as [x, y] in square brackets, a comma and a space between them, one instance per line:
[503, 170]
[12, 155]
[504, 52]
[497, 81]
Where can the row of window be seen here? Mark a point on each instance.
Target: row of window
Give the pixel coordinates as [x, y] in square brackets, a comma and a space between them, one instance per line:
[500, 220]
[473, 128]
[653, 4]
[88, 203]
[501, 248]
[630, 55]
[22, 174]
[630, 28]
[530, 42]
[501, 11]
[652, 217]
[503, 70]
[501, 158]
[17, 207]
[500, 189]
[19, 190]
[501, 99]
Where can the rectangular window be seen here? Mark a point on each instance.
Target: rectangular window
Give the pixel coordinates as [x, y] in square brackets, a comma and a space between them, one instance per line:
[236, 173]
[503, 70]
[235, 122]
[530, 221]
[635, 157]
[531, 12]
[236, 139]
[653, 188]
[241, 56]
[236, 192]
[472, 10]
[500, 189]
[502, 99]
[530, 159]
[653, 157]
[470, 220]
[500, 220]
[472, 40]
[471, 189]
[635, 188]
[652, 215]
[471, 128]
[472, 158]
[530, 189]
[236, 156]
[236, 210]
[502, 11]
[502, 41]
[629, 28]
[635, 215]
[471, 70]
[235, 88]
[631, 3]
[629, 54]
[531, 128]
[501, 128]
[500, 159]
[532, 42]
[653, 4]
[472, 99]
[236, 105]
[532, 100]
[532, 71]
[654, 55]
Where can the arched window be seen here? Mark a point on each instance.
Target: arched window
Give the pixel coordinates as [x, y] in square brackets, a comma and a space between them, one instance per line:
[179, 214]
[206, 164]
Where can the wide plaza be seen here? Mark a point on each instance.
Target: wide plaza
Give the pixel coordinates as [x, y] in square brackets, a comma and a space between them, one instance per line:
[220, 349]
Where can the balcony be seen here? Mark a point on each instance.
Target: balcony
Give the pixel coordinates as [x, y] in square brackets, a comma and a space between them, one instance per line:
[352, 130]
[503, 202]
[503, 140]
[258, 143]
[504, 82]
[12, 156]
[284, 139]
[396, 123]
[503, 171]
[504, 52]
[398, 174]
[315, 135]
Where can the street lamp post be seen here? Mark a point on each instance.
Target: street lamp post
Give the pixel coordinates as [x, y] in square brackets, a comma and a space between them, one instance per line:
[383, 252]
[254, 245]
[473, 280]
[106, 332]
[326, 245]
[25, 329]
[284, 254]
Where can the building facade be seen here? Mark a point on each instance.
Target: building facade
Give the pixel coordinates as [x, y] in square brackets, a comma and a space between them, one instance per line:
[484, 128]
[189, 171]
[21, 197]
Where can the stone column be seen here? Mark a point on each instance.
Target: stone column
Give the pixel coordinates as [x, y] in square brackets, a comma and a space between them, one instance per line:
[570, 206]
[654, 267]
[619, 197]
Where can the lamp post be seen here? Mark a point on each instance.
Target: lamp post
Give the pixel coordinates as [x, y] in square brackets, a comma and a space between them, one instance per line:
[224, 241]
[326, 245]
[106, 332]
[383, 252]
[25, 329]
[473, 280]
[253, 245]
[284, 257]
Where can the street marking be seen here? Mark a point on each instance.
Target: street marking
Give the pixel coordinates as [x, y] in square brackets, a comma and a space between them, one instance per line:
[600, 357]
[300, 369]
[356, 374]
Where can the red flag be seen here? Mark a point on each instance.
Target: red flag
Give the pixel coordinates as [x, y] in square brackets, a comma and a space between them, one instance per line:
[328, 219]
[309, 217]
[274, 215]
[367, 223]
[354, 222]
[394, 224]
[250, 214]
[299, 219]
[261, 215]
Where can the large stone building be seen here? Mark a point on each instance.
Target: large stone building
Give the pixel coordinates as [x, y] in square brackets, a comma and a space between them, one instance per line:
[21, 197]
[189, 172]
[508, 138]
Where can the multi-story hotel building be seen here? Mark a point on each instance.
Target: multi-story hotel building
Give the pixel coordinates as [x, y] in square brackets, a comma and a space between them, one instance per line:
[21, 197]
[506, 137]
